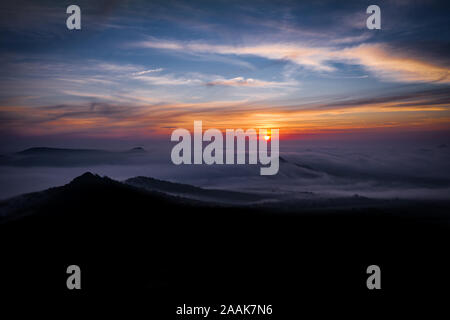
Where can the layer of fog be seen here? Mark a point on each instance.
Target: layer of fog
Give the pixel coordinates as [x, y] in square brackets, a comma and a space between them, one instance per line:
[376, 172]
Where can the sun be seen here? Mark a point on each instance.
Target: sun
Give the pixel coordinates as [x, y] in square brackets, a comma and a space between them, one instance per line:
[267, 138]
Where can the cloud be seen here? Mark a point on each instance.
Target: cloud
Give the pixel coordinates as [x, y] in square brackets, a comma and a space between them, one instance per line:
[195, 78]
[423, 98]
[140, 73]
[249, 82]
[306, 56]
[117, 68]
[352, 39]
[422, 109]
[391, 66]
[381, 60]
[169, 80]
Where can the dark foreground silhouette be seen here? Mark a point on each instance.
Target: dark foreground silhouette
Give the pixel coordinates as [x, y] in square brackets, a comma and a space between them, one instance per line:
[146, 250]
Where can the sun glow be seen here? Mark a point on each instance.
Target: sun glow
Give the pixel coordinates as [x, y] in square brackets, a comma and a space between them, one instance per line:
[267, 137]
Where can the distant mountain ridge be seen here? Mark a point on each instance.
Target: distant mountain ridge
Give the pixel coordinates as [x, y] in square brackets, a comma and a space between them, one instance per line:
[48, 150]
[62, 157]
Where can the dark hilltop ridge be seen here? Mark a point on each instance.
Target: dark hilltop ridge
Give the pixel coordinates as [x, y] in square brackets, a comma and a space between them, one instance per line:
[42, 202]
[185, 194]
[136, 239]
[192, 192]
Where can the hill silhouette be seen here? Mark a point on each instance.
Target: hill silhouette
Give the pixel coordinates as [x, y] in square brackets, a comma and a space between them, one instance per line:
[135, 243]
[186, 190]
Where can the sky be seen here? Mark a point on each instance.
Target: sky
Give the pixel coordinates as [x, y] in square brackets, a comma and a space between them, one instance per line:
[137, 70]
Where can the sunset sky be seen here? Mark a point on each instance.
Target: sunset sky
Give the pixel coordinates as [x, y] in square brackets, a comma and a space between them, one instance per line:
[138, 69]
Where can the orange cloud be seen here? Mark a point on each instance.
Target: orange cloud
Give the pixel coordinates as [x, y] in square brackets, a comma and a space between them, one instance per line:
[150, 120]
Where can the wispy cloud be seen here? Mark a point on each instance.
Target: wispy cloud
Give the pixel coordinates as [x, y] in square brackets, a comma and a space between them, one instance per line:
[381, 60]
[140, 73]
[394, 66]
[421, 110]
[249, 82]
[169, 80]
